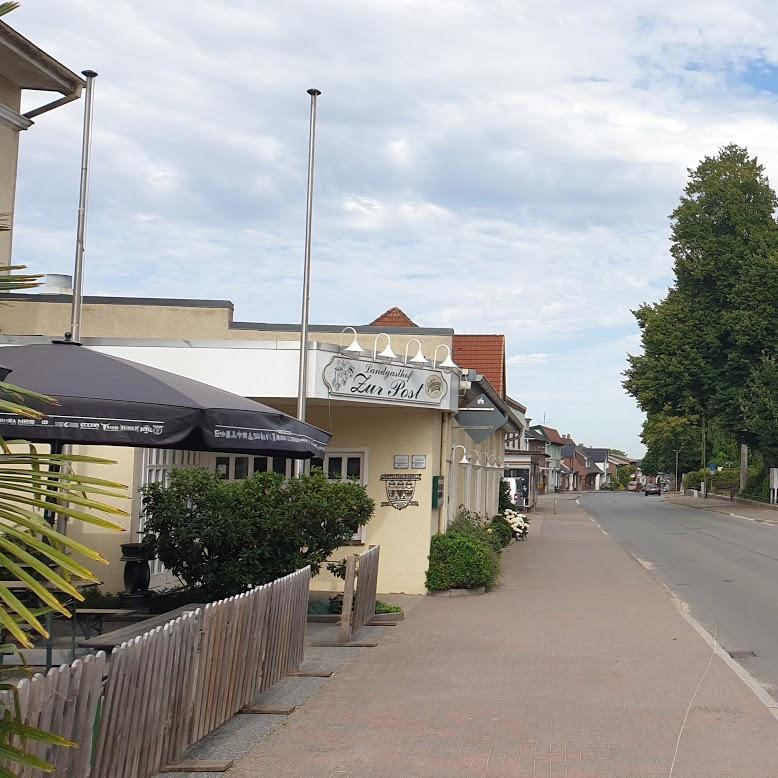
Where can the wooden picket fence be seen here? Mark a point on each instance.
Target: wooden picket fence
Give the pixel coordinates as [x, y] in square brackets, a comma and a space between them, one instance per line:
[63, 701]
[359, 592]
[367, 584]
[173, 685]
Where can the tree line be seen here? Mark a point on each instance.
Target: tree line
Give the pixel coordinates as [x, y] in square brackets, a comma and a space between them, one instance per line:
[708, 375]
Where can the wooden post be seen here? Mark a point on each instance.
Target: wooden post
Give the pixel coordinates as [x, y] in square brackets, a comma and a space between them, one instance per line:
[348, 599]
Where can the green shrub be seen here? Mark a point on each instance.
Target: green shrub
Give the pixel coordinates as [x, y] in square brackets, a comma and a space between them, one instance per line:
[335, 605]
[758, 485]
[94, 598]
[727, 479]
[164, 600]
[476, 526]
[500, 530]
[461, 560]
[318, 607]
[505, 501]
[468, 522]
[386, 607]
[221, 537]
[693, 479]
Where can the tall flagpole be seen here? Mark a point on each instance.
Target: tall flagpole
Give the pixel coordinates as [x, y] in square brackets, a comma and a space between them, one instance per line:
[86, 145]
[302, 384]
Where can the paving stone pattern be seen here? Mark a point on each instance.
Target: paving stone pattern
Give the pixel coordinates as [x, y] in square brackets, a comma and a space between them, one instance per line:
[578, 665]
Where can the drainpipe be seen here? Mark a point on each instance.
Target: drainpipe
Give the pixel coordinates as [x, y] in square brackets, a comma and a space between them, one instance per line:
[445, 454]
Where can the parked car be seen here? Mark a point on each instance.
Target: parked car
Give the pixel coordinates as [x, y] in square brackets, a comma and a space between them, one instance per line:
[633, 486]
[652, 489]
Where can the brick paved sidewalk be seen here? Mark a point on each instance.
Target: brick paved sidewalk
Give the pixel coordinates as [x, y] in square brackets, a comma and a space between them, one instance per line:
[578, 665]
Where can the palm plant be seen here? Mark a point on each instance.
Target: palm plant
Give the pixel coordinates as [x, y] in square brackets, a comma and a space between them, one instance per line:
[33, 553]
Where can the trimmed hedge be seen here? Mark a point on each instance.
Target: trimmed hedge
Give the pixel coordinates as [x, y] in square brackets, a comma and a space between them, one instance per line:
[723, 480]
[727, 479]
[461, 560]
[693, 479]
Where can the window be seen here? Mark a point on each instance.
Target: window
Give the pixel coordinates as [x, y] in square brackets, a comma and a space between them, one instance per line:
[156, 464]
[236, 467]
[347, 466]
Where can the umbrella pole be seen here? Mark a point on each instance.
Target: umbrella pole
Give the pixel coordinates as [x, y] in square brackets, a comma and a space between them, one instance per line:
[49, 514]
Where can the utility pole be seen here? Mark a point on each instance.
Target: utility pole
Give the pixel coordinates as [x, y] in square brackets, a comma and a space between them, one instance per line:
[743, 466]
[676, 468]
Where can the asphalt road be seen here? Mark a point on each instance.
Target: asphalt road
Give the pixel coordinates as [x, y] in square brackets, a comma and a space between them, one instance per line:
[725, 569]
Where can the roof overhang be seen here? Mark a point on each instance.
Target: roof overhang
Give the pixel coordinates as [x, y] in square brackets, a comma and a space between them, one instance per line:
[29, 67]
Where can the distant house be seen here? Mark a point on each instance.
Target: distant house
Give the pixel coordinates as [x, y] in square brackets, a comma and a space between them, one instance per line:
[525, 454]
[601, 458]
[554, 443]
[584, 474]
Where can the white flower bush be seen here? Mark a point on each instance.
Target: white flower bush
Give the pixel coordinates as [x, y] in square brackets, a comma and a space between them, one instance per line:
[519, 522]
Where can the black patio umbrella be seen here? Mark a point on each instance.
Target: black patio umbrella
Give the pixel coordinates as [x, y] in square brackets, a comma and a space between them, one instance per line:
[105, 400]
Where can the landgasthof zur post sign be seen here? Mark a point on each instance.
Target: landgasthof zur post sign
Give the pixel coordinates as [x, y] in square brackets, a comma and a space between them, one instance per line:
[359, 379]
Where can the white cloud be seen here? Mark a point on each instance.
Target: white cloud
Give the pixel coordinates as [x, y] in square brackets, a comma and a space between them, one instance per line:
[528, 359]
[496, 167]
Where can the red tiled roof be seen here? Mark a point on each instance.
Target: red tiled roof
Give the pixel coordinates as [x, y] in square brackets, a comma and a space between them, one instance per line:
[554, 436]
[484, 353]
[394, 317]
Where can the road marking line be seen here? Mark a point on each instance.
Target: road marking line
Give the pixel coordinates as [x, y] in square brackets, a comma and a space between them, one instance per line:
[759, 689]
[738, 516]
[755, 686]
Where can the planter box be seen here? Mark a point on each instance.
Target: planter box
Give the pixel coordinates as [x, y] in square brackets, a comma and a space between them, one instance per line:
[458, 592]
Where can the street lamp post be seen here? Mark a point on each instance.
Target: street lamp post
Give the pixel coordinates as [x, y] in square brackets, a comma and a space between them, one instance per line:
[302, 384]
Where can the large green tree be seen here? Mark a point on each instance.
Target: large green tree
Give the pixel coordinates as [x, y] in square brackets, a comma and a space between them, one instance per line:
[664, 434]
[702, 342]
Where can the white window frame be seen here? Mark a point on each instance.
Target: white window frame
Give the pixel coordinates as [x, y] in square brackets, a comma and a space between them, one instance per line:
[288, 469]
[360, 536]
[154, 466]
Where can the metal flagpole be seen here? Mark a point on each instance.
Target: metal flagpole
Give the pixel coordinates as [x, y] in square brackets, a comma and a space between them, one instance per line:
[86, 144]
[302, 384]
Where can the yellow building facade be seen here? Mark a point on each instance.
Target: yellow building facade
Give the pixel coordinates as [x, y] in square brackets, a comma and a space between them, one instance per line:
[398, 426]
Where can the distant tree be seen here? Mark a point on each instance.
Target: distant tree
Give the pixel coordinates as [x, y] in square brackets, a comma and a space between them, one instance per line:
[625, 474]
[664, 434]
[617, 451]
[702, 342]
[760, 406]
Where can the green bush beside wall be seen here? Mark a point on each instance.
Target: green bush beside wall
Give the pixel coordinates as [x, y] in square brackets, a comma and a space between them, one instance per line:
[461, 561]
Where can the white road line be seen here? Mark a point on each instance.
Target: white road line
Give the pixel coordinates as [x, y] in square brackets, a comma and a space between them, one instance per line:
[756, 687]
[738, 516]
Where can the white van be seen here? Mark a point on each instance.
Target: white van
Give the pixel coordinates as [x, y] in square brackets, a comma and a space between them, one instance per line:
[519, 490]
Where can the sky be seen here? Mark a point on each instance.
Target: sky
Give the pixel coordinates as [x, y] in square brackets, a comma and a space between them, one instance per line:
[491, 166]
